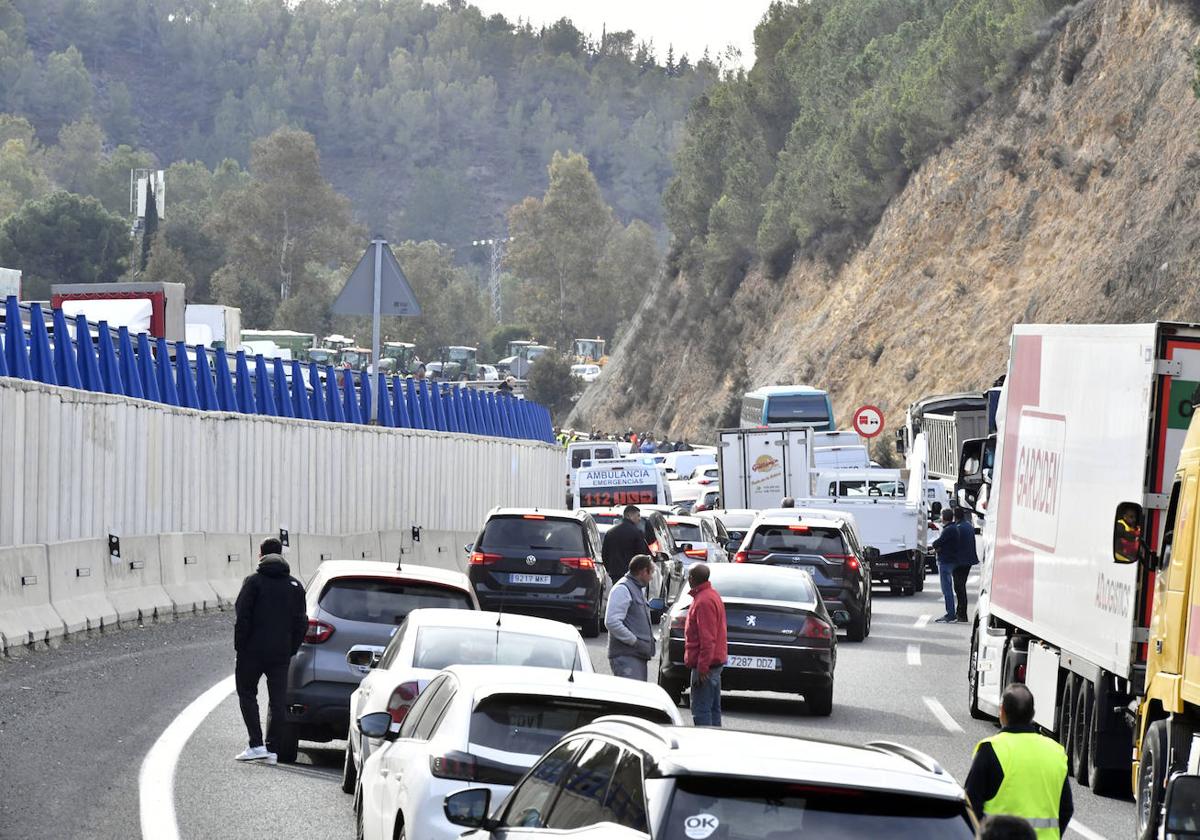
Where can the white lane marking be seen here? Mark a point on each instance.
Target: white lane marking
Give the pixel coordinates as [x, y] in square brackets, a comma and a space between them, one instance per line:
[156, 781]
[922, 621]
[914, 654]
[939, 711]
[1083, 831]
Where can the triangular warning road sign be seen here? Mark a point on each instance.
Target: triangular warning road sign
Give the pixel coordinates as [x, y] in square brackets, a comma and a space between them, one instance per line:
[395, 296]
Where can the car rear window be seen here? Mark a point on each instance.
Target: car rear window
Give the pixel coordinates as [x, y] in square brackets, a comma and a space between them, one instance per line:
[788, 587]
[441, 647]
[756, 809]
[798, 539]
[686, 532]
[530, 725]
[387, 601]
[525, 534]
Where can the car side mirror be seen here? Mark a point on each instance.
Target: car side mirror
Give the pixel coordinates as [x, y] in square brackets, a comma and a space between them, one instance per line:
[468, 548]
[870, 553]
[364, 657]
[1128, 547]
[841, 618]
[1182, 807]
[684, 546]
[376, 725]
[468, 808]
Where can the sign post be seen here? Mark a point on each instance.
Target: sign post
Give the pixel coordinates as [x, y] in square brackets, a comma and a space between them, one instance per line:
[868, 422]
[377, 287]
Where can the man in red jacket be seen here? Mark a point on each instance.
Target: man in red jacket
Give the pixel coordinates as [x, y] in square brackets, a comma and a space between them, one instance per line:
[704, 647]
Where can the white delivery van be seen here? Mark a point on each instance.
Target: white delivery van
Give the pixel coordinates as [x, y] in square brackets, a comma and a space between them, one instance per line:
[1091, 423]
[841, 457]
[760, 467]
[612, 482]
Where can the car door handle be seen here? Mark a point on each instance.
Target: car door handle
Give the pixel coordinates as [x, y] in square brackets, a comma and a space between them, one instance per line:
[383, 771]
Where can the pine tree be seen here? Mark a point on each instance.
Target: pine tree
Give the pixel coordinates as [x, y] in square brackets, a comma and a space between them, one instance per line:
[151, 225]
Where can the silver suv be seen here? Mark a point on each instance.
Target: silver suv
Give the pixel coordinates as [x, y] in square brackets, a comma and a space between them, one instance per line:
[354, 606]
[620, 777]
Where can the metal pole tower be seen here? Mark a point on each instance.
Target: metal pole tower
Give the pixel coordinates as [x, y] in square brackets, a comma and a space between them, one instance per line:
[496, 247]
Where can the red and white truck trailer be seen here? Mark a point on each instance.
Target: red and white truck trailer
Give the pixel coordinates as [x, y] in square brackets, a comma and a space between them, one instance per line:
[1091, 423]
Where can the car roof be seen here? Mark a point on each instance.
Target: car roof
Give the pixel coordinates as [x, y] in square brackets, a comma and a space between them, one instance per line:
[682, 519]
[805, 516]
[548, 513]
[511, 622]
[520, 679]
[332, 569]
[707, 751]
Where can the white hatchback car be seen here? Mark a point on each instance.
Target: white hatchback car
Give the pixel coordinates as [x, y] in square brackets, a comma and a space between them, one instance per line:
[432, 639]
[481, 726]
[700, 534]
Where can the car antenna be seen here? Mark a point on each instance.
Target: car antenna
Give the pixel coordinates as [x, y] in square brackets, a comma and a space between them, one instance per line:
[503, 595]
[574, 662]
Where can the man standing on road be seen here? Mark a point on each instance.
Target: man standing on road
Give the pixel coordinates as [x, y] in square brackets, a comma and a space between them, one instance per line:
[630, 636]
[270, 626]
[704, 647]
[1021, 773]
[946, 546]
[967, 557]
[623, 542]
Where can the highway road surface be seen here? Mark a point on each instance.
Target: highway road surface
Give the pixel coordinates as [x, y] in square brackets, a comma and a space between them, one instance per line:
[133, 733]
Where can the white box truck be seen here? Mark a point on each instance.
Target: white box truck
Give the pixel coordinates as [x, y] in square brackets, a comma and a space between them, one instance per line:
[1091, 423]
[213, 325]
[760, 467]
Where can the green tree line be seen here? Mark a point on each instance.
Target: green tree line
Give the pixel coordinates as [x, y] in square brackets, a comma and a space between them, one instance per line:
[846, 98]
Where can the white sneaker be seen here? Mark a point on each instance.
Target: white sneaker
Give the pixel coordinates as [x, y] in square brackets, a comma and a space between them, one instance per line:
[255, 754]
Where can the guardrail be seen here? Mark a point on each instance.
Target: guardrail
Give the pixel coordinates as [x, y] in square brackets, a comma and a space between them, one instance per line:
[49, 351]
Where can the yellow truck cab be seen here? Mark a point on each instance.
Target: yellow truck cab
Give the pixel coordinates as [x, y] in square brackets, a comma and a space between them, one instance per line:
[1168, 716]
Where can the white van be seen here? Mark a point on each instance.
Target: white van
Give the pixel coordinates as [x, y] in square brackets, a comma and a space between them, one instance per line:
[616, 482]
[587, 450]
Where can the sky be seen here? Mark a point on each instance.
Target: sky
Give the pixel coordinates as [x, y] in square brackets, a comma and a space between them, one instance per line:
[690, 25]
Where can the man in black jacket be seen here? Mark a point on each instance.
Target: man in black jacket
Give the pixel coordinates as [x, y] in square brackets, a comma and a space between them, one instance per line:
[271, 623]
[623, 542]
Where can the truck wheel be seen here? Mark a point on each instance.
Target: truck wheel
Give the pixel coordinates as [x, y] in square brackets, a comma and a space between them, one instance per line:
[1066, 721]
[1081, 728]
[1152, 772]
[918, 573]
[973, 679]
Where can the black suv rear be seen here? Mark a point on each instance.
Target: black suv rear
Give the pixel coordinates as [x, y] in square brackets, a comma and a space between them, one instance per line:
[829, 549]
[541, 562]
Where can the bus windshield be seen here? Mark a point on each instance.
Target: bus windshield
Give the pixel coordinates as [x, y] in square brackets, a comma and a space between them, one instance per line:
[798, 408]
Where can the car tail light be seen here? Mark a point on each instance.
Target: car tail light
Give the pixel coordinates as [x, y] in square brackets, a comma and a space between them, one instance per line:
[852, 563]
[679, 621]
[844, 558]
[482, 558]
[815, 628]
[533, 516]
[696, 553]
[454, 765]
[799, 529]
[933, 526]
[903, 564]
[317, 632]
[402, 700]
[705, 481]
[747, 556]
[654, 547]
[578, 562]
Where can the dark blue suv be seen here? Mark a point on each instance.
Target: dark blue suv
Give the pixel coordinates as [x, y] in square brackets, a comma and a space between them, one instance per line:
[541, 562]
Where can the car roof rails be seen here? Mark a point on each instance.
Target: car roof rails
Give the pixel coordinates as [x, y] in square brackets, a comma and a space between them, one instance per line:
[915, 756]
[642, 725]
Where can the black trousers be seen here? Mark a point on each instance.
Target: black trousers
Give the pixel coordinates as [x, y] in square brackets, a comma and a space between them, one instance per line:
[246, 674]
[960, 574]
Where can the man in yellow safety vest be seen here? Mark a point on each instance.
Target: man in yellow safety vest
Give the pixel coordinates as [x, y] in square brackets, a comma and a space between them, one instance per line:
[1021, 773]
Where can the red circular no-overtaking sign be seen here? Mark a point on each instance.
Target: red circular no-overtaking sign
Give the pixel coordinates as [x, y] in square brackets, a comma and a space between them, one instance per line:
[868, 421]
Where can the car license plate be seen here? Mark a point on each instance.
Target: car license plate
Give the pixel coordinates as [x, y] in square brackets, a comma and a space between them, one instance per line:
[759, 663]
[541, 580]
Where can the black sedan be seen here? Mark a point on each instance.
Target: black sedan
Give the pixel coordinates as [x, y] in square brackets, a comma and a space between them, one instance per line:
[780, 635]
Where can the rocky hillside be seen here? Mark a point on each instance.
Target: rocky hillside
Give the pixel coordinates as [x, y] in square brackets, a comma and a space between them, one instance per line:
[1070, 198]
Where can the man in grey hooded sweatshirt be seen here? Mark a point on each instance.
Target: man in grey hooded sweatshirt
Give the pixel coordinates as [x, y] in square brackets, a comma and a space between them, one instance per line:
[630, 635]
